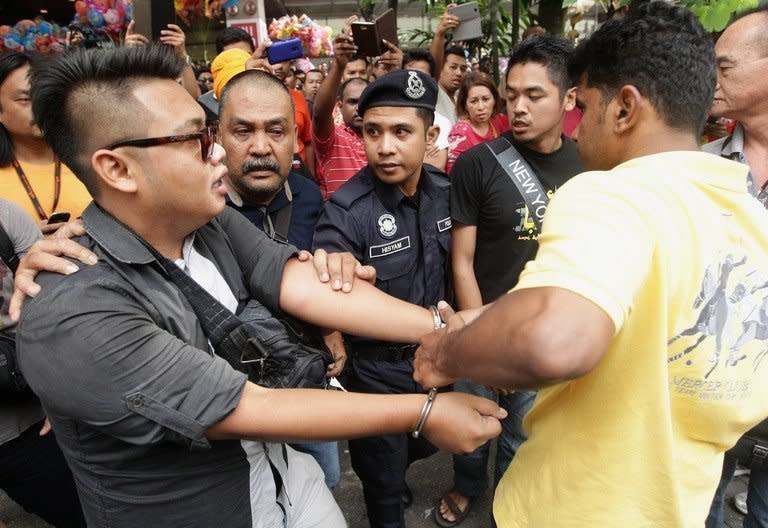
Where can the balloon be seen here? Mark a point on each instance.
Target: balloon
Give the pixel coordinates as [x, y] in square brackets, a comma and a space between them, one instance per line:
[45, 28]
[111, 17]
[96, 18]
[100, 5]
[81, 8]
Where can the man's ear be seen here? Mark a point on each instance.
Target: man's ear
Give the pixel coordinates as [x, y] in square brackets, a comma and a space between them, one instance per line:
[627, 105]
[569, 102]
[295, 139]
[115, 170]
[432, 134]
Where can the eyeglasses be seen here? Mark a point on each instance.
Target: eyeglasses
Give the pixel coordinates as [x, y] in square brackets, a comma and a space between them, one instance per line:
[207, 139]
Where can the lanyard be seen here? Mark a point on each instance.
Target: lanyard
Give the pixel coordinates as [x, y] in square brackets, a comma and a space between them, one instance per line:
[31, 192]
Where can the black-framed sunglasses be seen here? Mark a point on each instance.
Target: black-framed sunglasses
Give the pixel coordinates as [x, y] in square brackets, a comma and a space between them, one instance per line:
[206, 137]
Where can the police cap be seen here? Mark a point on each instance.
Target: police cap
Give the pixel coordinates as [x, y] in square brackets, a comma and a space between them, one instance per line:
[400, 88]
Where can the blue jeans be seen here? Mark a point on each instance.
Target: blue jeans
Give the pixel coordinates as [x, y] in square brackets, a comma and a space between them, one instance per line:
[470, 471]
[757, 497]
[327, 456]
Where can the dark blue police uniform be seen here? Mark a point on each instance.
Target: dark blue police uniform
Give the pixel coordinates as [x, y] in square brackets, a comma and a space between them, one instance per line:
[407, 240]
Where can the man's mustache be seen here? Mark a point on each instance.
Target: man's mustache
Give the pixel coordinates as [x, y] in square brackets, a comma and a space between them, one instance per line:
[256, 164]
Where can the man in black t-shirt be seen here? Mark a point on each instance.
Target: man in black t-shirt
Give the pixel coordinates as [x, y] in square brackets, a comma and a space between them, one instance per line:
[494, 235]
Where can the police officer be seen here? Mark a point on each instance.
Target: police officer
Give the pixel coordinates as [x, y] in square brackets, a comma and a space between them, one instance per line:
[393, 214]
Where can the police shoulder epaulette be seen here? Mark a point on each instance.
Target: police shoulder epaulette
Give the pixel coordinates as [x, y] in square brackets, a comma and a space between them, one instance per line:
[439, 177]
[357, 187]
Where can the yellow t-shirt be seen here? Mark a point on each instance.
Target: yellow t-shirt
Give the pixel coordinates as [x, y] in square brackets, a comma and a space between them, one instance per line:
[675, 251]
[73, 198]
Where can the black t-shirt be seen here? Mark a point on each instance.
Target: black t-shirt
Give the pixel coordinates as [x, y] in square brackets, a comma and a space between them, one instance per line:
[483, 195]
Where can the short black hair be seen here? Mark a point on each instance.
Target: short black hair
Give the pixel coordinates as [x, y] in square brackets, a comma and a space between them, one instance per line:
[426, 115]
[455, 50]
[664, 52]
[348, 82]
[359, 57]
[86, 98]
[419, 54]
[10, 61]
[232, 35]
[261, 78]
[315, 70]
[550, 51]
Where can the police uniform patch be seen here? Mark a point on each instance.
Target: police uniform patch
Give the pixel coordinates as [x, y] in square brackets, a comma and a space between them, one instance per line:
[382, 250]
[444, 224]
[415, 88]
[387, 225]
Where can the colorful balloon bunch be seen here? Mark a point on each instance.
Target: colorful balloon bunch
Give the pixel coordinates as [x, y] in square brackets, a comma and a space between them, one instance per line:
[111, 16]
[33, 35]
[188, 10]
[315, 39]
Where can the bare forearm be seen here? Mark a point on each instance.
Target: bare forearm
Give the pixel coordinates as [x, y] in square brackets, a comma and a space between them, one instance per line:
[467, 290]
[305, 414]
[324, 101]
[525, 340]
[189, 82]
[365, 311]
[437, 50]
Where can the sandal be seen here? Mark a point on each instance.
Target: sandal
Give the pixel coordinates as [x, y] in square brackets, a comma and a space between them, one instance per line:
[457, 512]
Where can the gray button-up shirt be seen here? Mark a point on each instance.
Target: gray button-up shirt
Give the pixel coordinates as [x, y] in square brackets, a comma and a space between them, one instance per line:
[122, 367]
[732, 147]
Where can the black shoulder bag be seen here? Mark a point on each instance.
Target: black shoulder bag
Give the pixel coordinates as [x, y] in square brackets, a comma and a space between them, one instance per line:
[752, 448]
[276, 353]
[522, 175]
[11, 380]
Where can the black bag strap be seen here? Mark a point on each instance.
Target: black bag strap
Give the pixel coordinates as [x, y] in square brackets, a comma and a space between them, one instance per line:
[277, 230]
[217, 321]
[522, 175]
[7, 251]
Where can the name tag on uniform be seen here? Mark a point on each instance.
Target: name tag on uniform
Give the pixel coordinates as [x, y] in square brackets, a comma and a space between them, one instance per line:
[401, 244]
[444, 224]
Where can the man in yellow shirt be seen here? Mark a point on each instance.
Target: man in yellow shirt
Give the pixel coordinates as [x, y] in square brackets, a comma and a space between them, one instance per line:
[636, 316]
[30, 175]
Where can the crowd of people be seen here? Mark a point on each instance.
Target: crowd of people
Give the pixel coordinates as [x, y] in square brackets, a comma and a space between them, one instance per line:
[540, 260]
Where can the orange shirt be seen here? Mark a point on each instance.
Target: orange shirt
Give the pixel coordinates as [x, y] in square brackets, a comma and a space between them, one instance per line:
[73, 198]
[303, 121]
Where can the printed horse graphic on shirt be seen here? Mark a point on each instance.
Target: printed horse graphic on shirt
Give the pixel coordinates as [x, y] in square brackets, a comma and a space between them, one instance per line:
[715, 312]
[755, 325]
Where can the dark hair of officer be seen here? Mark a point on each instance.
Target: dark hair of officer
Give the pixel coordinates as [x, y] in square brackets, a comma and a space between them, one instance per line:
[10, 61]
[84, 101]
[259, 78]
[664, 52]
[476, 78]
[232, 35]
[419, 54]
[550, 51]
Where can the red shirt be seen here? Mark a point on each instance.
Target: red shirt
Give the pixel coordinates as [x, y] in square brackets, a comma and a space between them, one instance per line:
[339, 157]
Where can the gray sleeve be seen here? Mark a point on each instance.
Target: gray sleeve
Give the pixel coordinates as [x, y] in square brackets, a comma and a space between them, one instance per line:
[92, 353]
[21, 228]
[261, 259]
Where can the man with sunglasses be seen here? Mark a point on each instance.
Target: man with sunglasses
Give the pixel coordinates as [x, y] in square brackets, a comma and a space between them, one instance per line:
[153, 424]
